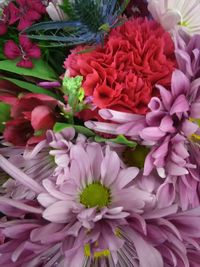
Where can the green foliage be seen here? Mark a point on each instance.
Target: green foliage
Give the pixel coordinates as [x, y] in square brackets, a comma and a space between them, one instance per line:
[31, 87]
[120, 139]
[59, 126]
[72, 88]
[41, 69]
[4, 115]
[68, 8]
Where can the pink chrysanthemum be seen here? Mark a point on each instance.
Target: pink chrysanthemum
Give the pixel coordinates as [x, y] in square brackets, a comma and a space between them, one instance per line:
[87, 214]
[99, 215]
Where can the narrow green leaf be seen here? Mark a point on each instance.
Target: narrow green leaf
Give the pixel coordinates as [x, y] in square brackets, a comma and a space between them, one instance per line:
[4, 115]
[41, 69]
[59, 126]
[31, 87]
[120, 139]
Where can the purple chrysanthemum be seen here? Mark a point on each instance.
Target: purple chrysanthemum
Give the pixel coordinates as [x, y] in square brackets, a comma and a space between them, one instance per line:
[82, 217]
[188, 53]
[71, 228]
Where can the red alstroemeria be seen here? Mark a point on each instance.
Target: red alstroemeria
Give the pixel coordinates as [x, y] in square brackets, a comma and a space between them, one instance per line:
[25, 51]
[4, 21]
[32, 115]
[27, 12]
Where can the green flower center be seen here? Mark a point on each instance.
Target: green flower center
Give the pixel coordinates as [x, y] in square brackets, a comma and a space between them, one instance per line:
[95, 195]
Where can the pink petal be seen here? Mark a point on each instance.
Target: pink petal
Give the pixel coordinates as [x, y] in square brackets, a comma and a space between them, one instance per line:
[152, 133]
[195, 110]
[117, 116]
[25, 42]
[27, 64]
[180, 83]
[24, 23]
[52, 190]
[19, 205]
[45, 199]
[166, 195]
[18, 175]
[180, 105]
[59, 212]
[110, 168]
[42, 118]
[189, 127]
[158, 213]
[14, 13]
[126, 176]
[174, 169]
[166, 97]
[11, 50]
[34, 52]
[166, 124]
[147, 254]
[102, 126]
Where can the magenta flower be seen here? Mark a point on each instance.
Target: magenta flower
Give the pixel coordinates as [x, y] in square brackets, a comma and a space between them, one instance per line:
[25, 51]
[4, 20]
[26, 12]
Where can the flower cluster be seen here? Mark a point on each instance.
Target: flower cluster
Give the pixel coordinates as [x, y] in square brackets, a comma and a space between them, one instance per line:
[100, 143]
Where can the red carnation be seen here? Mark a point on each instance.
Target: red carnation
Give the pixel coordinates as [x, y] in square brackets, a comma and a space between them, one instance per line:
[32, 115]
[122, 74]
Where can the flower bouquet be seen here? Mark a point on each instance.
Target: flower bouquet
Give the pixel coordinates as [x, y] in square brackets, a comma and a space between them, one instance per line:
[100, 133]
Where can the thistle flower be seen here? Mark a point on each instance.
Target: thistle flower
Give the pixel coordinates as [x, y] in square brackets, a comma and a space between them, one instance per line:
[90, 21]
[172, 14]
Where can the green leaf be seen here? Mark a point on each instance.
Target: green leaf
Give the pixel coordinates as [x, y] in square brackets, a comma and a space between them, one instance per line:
[31, 87]
[67, 7]
[41, 69]
[59, 126]
[120, 139]
[4, 115]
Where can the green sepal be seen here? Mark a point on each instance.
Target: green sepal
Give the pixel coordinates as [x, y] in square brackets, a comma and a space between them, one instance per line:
[59, 126]
[120, 139]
